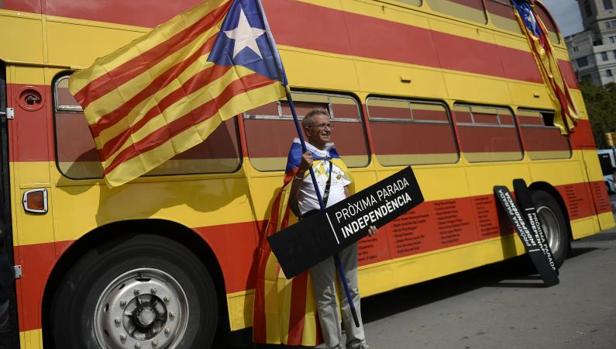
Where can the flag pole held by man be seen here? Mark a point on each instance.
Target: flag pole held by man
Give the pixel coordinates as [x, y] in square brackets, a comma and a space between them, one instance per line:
[166, 92]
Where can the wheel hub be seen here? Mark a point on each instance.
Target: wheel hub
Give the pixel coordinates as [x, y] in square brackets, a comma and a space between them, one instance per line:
[143, 308]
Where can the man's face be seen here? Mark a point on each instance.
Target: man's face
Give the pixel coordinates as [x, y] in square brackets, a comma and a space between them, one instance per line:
[319, 132]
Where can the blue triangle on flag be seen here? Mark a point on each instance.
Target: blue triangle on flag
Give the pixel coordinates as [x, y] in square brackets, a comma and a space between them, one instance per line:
[243, 41]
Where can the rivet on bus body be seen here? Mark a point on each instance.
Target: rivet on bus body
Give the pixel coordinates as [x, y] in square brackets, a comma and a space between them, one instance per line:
[536, 94]
[153, 290]
[136, 292]
[167, 331]
[123, 338]
[122, 304]
[137, 345]
[117, 322]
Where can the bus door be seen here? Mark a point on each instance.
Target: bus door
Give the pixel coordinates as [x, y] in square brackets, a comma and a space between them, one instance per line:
[8, 318]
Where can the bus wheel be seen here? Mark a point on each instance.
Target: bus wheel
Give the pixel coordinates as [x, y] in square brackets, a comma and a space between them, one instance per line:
[553, 224]
[144, 292]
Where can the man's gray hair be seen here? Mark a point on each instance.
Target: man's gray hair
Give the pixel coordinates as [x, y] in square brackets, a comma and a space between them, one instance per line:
[307, 120]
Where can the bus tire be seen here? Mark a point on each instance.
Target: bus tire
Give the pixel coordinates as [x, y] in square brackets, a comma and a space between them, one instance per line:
[146, 291]
[553, 223]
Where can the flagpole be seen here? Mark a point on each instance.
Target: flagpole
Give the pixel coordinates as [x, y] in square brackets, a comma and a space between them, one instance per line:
[278, 60]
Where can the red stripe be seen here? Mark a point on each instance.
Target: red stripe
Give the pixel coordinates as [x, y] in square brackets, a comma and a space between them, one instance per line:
[582, 137]
[138, 65]
[134, 12]
[298, 309]
[191, 85]
[194, 117]
[155, 85]
[22, 5]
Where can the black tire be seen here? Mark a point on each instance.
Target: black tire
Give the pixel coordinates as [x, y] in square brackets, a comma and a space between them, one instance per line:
[553, 223]
[144, 289]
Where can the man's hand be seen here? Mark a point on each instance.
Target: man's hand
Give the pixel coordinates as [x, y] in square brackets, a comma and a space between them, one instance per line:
[372, 230]
[306, 162]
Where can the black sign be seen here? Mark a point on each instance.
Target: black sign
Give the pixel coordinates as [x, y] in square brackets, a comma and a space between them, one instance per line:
[529, 231]
[529, 210]
[322, 235]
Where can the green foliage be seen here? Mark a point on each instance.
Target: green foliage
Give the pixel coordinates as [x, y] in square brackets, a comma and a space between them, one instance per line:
[601, 107]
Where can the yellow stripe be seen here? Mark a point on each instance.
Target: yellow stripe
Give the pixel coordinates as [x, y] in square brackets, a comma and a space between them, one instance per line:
[606, 220]
[116, 98]
[136, 48]
[240, 305]
[78, 207]
[310, 318]
[178, 201]
[284, 289]
[31, 339]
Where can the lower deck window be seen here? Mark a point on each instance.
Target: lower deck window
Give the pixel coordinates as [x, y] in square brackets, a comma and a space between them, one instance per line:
[409, 132]
[487, 133]
[270, 130]
[77, 157]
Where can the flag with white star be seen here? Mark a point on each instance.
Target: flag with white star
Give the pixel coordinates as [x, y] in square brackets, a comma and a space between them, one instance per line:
[167, 91]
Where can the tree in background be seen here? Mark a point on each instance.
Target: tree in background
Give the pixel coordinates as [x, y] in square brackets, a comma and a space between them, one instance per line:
[601, 106]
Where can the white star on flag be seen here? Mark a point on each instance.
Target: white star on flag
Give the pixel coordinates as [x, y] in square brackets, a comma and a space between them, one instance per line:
[245, 36]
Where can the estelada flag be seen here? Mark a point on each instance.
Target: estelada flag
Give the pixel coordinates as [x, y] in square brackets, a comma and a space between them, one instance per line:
[284, 310]
[169, 90]
[536, 33]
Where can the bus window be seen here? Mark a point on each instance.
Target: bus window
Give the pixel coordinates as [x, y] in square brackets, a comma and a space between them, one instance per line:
[408, 132]
[541, 139]
[502, 15]
[270, 130]
[487, 133]
[471, 10]
[77, 157]
[549, 24]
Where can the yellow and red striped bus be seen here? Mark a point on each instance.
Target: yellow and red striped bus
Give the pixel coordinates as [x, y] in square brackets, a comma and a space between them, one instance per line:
[447, 86]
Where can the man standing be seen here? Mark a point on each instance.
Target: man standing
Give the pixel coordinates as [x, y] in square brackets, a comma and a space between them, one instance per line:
[333, 181]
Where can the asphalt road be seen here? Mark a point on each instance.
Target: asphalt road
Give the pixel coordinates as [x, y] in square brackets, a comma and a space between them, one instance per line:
[500, 307]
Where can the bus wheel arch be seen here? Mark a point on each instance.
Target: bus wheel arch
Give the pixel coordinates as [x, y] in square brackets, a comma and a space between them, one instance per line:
[103, 239]
[553, 212]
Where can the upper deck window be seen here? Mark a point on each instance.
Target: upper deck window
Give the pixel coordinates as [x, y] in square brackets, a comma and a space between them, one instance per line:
[409, 132]
[270, 129]
[502, 15]
[487, 133]
[78, 159]
[471, 10]
[549, 24]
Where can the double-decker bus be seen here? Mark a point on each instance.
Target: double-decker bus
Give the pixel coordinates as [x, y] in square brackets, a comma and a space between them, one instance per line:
[447, 86]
